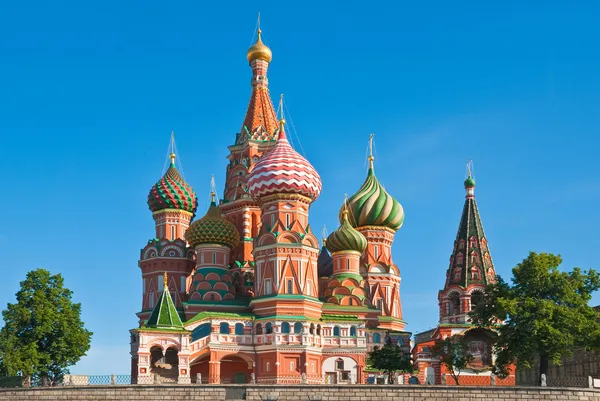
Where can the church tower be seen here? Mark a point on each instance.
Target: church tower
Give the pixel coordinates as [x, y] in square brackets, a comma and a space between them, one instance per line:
[471, 268]
[256, 136]
[377, 216]
[173, 204]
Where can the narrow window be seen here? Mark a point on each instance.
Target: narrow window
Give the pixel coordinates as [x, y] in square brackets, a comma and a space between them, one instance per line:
[160, 284]
[144, 286]
[291, 366]
[285, 328]
[172, 232]
[309, 288]
[202, 258]
[267, 287]
[214, 258]
[151, 300]
[379, 304]
[287, 220]
[272, 220]
[336, 331]
[289, 286]
[352, 331]
[347, 264]
[182, 284]
[376, 251]
[268, 369]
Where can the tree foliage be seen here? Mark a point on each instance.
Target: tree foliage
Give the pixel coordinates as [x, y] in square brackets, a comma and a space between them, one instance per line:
[43, 333]
[389, 359]
[545, 313]
[454, 354]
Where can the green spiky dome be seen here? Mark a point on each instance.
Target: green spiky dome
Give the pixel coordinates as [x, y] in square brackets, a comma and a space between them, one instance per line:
[373, 206]
[212, 229]
[470, 181]
[346, 238]
[172, 192]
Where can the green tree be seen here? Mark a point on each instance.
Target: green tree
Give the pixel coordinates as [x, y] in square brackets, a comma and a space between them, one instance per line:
[454, 354]
[43, 333]
[545, 313]
[389, 359]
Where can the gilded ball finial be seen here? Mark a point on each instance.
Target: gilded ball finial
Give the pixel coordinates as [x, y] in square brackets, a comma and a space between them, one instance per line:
[172, 157]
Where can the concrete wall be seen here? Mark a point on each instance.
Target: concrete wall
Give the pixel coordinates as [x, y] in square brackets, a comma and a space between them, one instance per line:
[285, 393]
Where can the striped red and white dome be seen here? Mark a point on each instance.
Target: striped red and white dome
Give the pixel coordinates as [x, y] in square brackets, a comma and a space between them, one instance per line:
[282, 170]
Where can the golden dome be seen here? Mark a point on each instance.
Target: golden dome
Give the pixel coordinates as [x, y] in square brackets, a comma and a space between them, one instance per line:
[259, 51]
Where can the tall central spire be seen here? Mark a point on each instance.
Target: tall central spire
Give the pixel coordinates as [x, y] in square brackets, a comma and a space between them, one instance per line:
[260, 122]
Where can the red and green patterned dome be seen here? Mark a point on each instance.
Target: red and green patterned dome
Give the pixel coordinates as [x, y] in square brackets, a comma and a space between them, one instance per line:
[172, 192]
[212, 229]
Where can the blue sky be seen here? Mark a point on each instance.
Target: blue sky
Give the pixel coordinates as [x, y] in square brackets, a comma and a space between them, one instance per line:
[90, 91]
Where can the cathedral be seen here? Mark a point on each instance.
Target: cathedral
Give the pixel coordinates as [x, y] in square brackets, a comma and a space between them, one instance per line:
[248, 293]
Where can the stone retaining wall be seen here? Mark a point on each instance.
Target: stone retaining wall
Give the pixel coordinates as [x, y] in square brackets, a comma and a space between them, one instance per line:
[289, 393]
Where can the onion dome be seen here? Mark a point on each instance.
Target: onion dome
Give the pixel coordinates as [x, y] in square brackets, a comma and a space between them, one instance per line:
[346, 238]
[282, 170]
[373, 206]
[212, 229]
[172, 192]
[470, 181]
[259, 51]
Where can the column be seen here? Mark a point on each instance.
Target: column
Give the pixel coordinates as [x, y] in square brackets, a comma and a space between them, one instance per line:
[214, 372]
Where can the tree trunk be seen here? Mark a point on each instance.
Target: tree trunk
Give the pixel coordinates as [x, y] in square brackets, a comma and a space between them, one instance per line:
[455, 377]
[390, 377]
[543, 368]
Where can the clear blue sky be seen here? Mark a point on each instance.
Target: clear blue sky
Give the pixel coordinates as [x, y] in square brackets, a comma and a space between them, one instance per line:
[90, 91]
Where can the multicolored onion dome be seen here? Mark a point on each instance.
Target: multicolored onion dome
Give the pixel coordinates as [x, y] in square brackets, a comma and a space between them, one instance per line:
[470, 181]
[212, 229]
[172, 192]
[282, 170]
[373, 206]
[346, 238]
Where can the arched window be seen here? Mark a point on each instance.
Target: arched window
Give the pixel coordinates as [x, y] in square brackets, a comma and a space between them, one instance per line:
[318, 329]
[290, 287]
[459, 258]
[379, 304]
[336, 331]
[268, 328]
[224, 328]
[476, 299]
[258, 328]
[239, 329]
[311, 329]
[285, 328]
[352, 331]
[454, 304]
[376, 338]
[297, 327]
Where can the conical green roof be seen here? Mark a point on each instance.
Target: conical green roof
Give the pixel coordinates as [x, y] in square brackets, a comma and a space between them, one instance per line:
[165, 314]
[373, 206]
[346, 238]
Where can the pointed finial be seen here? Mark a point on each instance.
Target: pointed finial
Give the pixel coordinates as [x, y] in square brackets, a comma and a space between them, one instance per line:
[165, 282]
[371, 158]
[345, 210]
[258, 23]
[213, 191]
[172, 155]
[470, 181]
[281, 119]
[324, 234]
